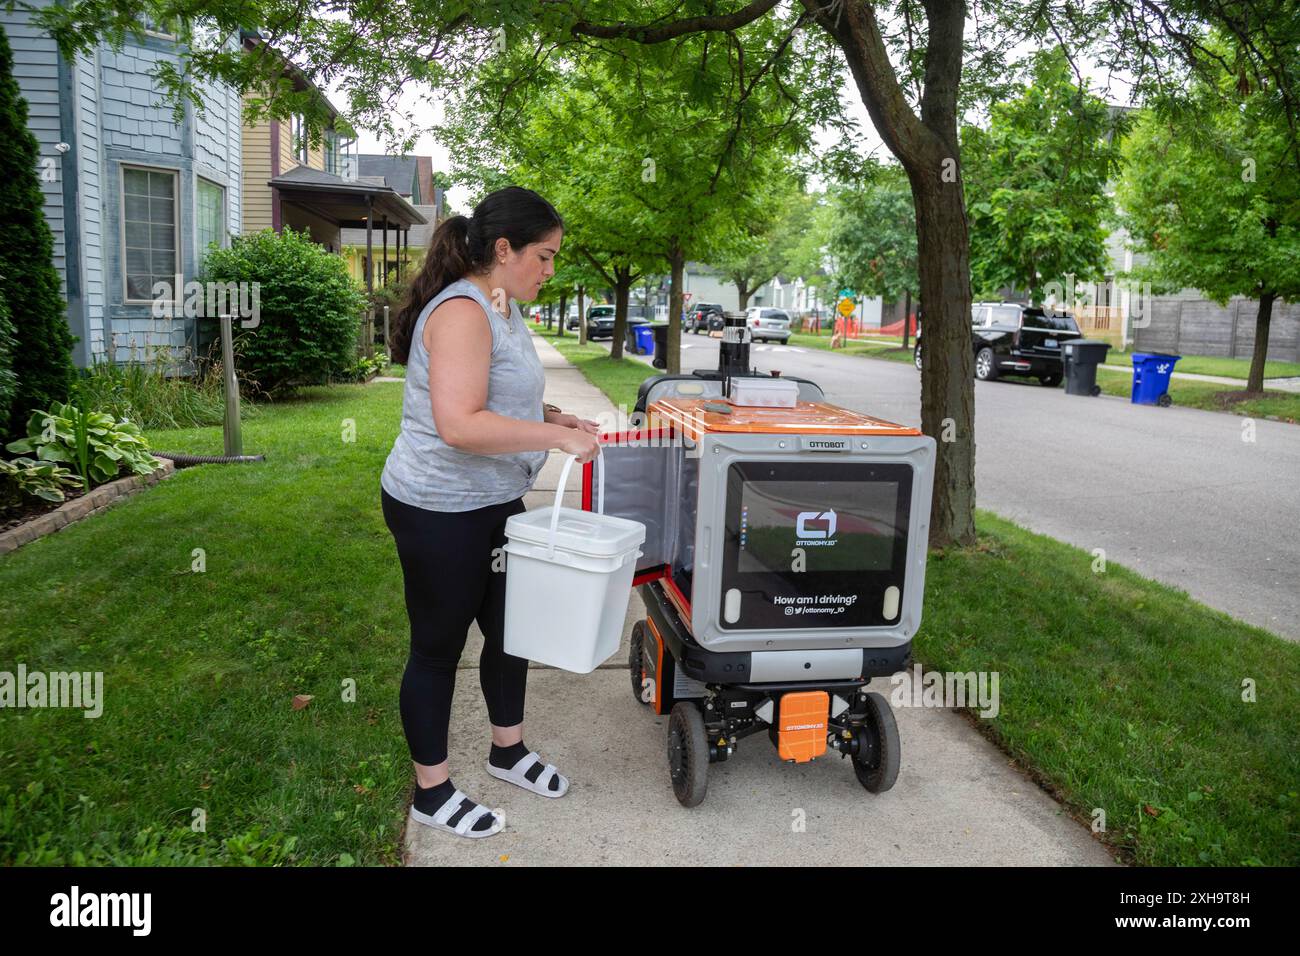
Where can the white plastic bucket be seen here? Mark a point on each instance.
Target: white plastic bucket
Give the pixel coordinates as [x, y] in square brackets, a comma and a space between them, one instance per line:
[568, 581]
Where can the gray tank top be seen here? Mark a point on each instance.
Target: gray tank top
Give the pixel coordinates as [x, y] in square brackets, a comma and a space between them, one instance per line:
[424, 471]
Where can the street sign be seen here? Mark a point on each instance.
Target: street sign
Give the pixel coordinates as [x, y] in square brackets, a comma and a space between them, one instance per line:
[846, 307]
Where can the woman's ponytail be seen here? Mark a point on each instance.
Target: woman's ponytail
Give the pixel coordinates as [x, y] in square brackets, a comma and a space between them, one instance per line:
[461, 246]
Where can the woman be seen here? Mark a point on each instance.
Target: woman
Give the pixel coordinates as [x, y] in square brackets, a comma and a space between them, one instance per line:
[474, 436]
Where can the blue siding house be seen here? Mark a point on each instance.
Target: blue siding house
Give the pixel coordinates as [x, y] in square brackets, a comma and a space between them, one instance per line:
[132, 197]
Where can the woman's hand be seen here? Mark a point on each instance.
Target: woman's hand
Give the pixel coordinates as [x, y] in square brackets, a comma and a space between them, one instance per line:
[579, 443]
[573, 421]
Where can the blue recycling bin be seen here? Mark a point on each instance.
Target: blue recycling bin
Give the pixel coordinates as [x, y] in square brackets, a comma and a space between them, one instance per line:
[645, 339]
[1151, 374]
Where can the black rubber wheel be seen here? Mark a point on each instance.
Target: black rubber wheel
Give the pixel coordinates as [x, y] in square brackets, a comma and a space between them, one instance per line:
[986, 365]
[876, 762]
[688, 754]
[1164, 401]
[1095, 390]
[1051, 381]
[916, 356]
[635, 665]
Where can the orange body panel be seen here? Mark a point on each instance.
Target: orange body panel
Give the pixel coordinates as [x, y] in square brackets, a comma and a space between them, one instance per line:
[801, 735]
[690, 416]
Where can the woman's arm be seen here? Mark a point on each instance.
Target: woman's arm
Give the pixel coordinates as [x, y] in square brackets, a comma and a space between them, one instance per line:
[459, 343]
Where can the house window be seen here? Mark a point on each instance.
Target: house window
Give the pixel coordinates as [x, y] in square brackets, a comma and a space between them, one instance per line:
[165, 27]
[298, 134]
[210, 206]
[150, 237]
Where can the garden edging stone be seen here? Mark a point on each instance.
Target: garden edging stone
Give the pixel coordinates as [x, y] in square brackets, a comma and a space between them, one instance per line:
[99, 499]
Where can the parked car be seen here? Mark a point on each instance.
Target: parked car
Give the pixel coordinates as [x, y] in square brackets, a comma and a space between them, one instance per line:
[704, 316]
[767, 324]
[600, 320]
[1012, 339]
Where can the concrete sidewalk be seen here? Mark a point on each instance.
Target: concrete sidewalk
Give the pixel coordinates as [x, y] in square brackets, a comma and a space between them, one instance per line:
[957, 800]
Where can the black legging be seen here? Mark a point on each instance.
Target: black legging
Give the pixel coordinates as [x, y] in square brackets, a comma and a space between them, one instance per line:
[449, 582]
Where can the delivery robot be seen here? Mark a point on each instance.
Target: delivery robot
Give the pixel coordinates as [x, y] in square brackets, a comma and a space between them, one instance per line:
[783, 566]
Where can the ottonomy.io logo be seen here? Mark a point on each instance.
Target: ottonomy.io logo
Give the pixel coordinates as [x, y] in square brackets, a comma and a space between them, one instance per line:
[806, 536]
[76, 908]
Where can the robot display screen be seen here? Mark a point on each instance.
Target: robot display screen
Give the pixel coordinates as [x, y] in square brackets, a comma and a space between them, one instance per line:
[840, 525]
[814, 544]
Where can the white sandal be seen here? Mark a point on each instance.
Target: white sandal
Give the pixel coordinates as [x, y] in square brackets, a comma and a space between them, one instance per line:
[463, 826]
[518, 776]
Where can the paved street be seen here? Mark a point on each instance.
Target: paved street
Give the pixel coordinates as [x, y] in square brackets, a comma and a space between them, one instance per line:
[1173, 493]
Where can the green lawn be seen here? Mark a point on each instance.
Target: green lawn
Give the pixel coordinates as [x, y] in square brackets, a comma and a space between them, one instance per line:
[1115, 692]
[301, 592]
[1211, 396]
[1211, 365]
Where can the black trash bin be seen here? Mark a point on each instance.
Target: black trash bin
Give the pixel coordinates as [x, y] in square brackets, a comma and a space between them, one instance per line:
[661, 344]
[1080, 358]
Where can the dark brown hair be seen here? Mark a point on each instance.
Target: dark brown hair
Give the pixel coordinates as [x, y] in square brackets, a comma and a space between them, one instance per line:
[461, 246]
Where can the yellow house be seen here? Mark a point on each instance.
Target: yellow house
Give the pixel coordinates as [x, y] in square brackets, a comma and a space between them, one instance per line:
[286, 182]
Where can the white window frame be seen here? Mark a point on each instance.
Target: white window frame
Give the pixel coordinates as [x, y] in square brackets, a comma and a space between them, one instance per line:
[121, 228]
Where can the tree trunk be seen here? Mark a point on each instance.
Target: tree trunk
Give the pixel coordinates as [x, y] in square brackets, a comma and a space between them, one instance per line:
[927, 147]
[564, 314]
[744, 293]
[947, 376]
[582, 316]
[677, 267]
[1260, 353]
[622, 289]
[907, 313]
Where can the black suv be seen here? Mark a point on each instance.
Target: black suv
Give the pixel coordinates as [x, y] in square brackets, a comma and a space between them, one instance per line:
[1011, 339]
[704, 316]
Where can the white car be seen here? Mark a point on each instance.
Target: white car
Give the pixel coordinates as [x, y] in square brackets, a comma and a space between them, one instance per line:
[767, 324]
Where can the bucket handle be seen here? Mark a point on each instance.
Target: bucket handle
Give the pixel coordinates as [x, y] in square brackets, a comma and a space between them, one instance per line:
[559, 496]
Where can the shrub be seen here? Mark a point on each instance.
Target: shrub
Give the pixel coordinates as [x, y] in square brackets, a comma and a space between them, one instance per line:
[8, 381]
[310, 308]
[41, 352]
[91, 442]
[23, 478]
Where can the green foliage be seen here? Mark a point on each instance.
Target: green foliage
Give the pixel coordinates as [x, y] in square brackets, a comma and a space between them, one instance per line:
[873, 235]
[95, 444]
[310, 309]
[1211, 193]
[365, 368]
[23, 478]
[40, 354]
[8, 381]
[1036, 184]
[773, 242]
[145, 393]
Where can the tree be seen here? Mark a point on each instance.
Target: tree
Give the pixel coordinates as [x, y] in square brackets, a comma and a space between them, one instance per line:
[1216, 203]
[906, 59]
[647, 170]
[36, 364]
[1036, 184]
[873, 238]
[768, 244]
